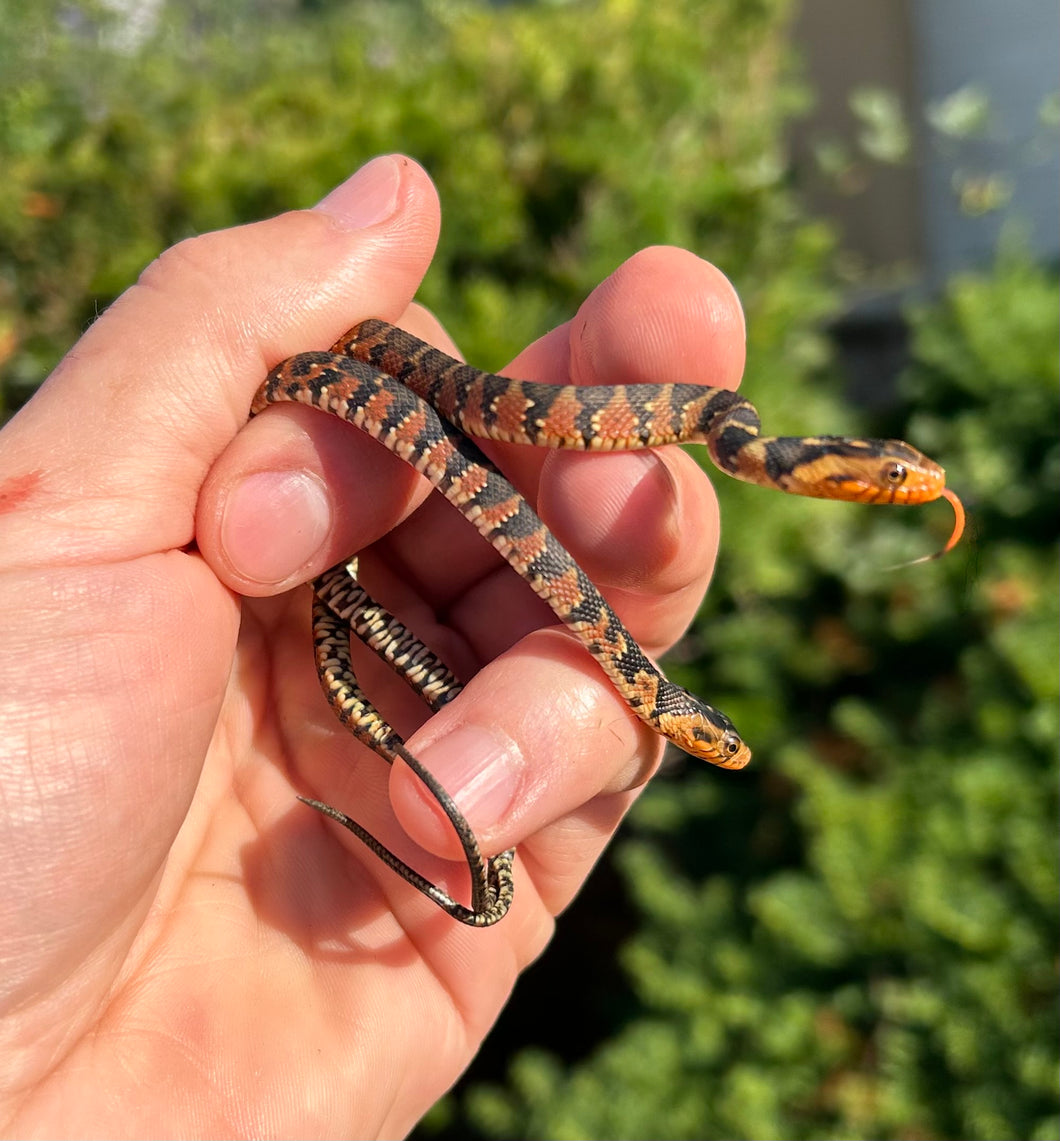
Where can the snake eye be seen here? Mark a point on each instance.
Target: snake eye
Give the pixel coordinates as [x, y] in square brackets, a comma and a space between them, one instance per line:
[895, 473]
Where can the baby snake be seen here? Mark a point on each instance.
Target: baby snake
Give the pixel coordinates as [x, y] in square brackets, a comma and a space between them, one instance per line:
[424, 405]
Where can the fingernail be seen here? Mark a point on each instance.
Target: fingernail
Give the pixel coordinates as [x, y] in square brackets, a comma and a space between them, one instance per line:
[274, 522]
[482, 770]
[368, 196]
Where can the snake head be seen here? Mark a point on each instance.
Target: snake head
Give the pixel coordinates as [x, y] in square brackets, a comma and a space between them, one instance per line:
[860, 471]
[726, 750]
[704, 732]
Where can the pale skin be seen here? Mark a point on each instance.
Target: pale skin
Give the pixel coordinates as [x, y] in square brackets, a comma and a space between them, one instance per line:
[187, 949]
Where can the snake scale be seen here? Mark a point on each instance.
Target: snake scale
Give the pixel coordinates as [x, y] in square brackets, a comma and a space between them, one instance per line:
[424, 406]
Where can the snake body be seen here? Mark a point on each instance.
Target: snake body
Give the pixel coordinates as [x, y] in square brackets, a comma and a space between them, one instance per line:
[424, 405]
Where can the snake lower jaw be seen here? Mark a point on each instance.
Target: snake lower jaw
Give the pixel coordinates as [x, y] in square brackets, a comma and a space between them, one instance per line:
[738, 760]
[728, 752]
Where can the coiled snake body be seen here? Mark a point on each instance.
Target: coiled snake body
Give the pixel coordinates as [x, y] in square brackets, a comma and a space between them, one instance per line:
[423, 405]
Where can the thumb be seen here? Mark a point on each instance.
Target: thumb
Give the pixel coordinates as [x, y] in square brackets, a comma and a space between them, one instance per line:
[127, 427]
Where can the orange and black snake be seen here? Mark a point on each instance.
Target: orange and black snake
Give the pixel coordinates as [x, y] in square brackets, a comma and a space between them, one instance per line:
[424, 405]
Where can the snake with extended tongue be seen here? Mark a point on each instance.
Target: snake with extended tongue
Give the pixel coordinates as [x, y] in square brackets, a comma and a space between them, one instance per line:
[424, 405]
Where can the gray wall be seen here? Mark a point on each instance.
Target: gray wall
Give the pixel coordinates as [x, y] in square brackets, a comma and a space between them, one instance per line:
[905, 225]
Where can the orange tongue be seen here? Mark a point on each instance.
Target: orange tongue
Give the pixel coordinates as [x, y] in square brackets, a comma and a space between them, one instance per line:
[952, 541]
[958, 522]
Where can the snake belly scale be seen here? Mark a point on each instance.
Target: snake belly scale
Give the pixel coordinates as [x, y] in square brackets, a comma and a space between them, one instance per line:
[424, 406]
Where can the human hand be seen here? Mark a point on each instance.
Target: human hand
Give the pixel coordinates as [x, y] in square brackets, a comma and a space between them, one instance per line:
[187, 949]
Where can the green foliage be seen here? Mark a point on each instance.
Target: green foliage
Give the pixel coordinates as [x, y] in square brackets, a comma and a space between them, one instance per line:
[561, 139]
[855, 937]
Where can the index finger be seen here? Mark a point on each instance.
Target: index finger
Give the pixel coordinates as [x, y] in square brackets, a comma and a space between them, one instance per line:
[650, 539]
[661, 316]
[643, 525]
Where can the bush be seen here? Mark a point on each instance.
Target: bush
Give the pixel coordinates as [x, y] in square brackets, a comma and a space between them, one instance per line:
[561, 139]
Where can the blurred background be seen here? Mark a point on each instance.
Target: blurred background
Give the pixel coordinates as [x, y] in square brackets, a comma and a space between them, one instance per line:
[857, 936]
